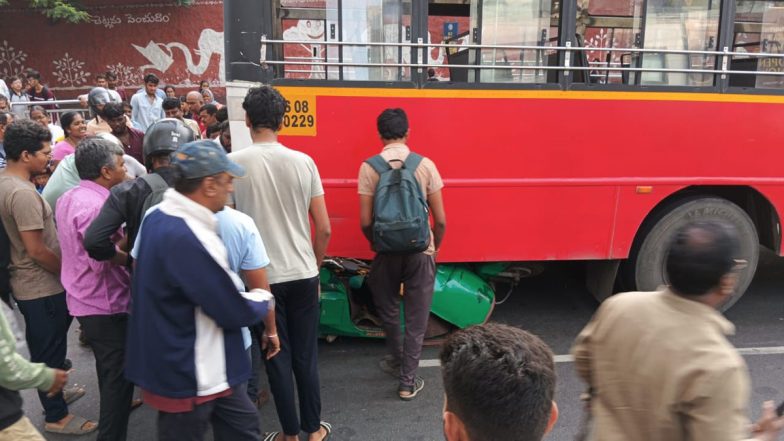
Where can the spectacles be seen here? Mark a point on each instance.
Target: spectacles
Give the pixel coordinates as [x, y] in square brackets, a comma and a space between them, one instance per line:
[48, 154]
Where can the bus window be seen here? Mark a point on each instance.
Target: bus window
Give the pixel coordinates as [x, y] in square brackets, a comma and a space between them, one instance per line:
[312, 24]
[458, 23]
[369, 21]
[759, 28]
[649, 24]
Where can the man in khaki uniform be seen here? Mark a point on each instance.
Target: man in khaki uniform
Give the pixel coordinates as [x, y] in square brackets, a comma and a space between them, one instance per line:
[659, 365]
[415, 271]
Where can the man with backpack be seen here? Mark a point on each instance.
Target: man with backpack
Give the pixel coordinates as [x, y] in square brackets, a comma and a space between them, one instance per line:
[397, 191]
[129, 200]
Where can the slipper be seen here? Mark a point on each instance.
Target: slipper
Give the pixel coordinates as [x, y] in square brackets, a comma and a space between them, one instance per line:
[272, 436]
[136, 403]
[73, 393]
[74, 427]
[328, 428]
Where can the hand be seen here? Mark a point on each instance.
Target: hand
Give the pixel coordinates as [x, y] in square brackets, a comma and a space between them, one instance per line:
[60, 380]
[270, 344]
[768, 427]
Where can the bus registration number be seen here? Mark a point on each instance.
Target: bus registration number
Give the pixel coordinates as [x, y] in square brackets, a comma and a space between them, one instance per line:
[300, 117]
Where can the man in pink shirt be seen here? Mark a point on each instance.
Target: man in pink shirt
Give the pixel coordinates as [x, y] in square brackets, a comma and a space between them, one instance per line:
[98, 293]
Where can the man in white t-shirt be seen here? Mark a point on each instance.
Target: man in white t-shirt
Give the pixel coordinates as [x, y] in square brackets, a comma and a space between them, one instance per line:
[282, 192]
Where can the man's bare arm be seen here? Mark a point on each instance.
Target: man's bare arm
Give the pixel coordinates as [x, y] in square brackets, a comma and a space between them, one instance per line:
[33, 241]
[366, 216]
[322, 229]
[436, 203]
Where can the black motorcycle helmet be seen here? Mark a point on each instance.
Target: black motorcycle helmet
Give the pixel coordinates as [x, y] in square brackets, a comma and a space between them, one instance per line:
[164, 137]
[98, 96]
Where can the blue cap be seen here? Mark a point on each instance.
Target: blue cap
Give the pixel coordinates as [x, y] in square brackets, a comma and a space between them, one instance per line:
[204, 158]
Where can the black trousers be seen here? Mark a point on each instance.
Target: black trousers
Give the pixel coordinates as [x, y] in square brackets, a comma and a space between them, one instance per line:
[233, 418]
[297, 320]
[46, 329]
[106, 336]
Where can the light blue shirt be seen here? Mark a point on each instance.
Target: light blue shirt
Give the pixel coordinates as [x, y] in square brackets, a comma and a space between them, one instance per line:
[243, 243]
[145, 113]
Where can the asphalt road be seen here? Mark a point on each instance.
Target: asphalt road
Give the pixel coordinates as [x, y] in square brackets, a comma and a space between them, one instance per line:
[361, 402]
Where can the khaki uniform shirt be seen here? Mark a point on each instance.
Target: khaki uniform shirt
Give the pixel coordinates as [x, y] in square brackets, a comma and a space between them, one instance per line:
[23, 209]
[426, 174]
[662, 369]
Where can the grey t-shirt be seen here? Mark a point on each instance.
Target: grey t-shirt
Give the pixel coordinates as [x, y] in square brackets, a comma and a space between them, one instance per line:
[276, 193]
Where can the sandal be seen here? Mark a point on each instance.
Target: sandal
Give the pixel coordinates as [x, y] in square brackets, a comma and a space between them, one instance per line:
[271, 436]
[408, 393]
[75, 426]
[328, 428]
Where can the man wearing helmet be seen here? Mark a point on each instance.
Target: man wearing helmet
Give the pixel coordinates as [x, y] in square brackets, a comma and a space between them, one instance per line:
[129, 200]
[97, 99]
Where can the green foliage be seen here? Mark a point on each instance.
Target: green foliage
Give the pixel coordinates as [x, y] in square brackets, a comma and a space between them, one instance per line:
[69, 11]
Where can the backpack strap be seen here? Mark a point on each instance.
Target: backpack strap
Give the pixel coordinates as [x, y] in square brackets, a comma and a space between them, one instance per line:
[379, 164]
[412, 161]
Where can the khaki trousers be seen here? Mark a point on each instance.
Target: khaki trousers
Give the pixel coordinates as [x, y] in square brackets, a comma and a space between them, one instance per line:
[22, 430]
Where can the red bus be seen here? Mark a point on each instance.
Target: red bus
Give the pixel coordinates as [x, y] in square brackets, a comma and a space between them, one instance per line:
[569, 130]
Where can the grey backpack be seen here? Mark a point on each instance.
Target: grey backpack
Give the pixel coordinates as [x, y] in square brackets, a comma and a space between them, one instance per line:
[401, 224]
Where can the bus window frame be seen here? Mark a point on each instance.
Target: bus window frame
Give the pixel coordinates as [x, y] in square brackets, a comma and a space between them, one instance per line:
[567, 35]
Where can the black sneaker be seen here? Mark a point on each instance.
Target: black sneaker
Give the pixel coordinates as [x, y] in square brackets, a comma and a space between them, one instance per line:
[408, 393]
[389, 366]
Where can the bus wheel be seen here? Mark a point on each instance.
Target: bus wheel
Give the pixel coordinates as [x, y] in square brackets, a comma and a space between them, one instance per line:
[645, 268]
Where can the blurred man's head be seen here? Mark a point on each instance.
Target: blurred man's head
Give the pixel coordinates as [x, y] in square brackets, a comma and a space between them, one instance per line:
[702, 260]
[195, 101]
[151, 84]
[28, 145]
[6, 118]
[40, 115]
[4, 106]
[114, 115]
[205, 174]
[499, 383]
[208, 113]
[100, 81]
[264, 109]
[111, 79]
[392, 125]
[171, 108]
[225, 135]
[100, 161]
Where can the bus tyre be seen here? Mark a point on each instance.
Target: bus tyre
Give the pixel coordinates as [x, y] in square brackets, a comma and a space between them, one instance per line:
[646, 264]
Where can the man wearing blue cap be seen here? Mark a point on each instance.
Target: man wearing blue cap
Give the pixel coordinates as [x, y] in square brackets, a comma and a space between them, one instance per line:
[185, 348]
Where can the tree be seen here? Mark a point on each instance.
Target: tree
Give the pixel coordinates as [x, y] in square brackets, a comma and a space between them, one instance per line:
[68, 10]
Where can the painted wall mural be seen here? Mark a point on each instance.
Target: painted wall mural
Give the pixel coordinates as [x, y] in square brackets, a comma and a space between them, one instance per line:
[181, 45]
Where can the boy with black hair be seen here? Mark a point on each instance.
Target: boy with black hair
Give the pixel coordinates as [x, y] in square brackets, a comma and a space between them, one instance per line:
[499, 383]
[147, 107]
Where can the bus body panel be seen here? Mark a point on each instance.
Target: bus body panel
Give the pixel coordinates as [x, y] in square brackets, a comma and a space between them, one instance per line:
[545, 175]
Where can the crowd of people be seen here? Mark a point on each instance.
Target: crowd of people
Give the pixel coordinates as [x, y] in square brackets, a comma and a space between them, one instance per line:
[188, 267]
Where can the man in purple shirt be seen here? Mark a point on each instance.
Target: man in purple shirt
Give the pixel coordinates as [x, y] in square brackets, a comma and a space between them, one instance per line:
[98, 293]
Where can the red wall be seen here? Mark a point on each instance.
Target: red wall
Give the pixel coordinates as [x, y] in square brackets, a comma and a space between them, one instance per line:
[181, 45]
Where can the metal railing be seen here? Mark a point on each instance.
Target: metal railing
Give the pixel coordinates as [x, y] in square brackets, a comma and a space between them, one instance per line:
[62, 107]
[722, 67]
